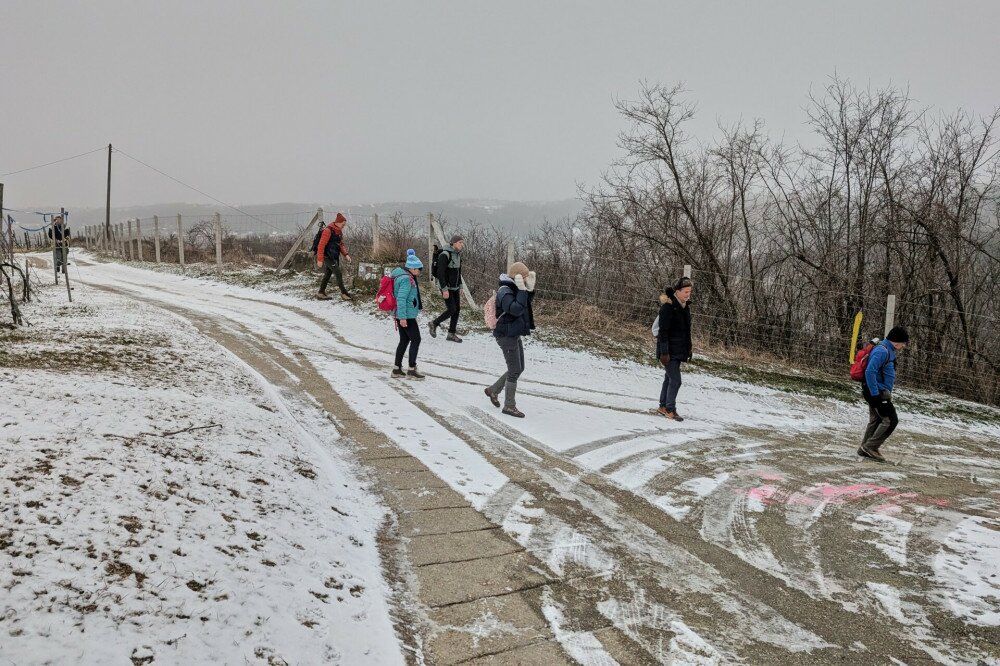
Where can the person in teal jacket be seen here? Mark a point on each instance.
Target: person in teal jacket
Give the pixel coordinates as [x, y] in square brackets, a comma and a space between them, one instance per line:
[407, 292]
[880, 379]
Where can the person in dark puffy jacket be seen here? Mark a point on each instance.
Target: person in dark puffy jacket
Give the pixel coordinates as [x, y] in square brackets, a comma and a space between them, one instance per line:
[331, 249]
[515, 320]
[59, 233]
[673, 343]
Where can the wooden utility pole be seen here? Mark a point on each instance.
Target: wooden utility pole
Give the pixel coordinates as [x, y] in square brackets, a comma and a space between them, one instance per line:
[218, 242]
[180, 241]
[107, 208]
[138, 235]
[375, 239]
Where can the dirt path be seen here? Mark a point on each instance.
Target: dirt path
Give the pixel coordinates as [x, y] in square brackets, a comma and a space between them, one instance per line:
[600, 573]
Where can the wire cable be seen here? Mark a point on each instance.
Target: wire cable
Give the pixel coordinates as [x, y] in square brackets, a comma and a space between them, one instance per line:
[65, 159]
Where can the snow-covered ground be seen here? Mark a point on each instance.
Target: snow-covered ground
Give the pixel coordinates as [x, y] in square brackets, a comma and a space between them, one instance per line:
[769, 477]
[161, 501]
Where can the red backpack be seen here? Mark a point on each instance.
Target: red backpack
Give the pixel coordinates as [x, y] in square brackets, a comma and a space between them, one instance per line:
[861, 362]
[386, 296]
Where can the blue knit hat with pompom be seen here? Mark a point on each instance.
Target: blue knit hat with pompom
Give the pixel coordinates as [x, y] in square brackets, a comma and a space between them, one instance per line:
[412, 260]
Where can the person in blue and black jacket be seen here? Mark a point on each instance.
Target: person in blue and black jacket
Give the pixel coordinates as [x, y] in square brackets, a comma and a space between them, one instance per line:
[880, 377]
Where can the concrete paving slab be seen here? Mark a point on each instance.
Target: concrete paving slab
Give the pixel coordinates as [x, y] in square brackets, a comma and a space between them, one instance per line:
[548, 654]
[442, 521]
[458, 582]
[439, 548]
[400, 463]
[495, 624]
[402, 480]
[418, 499]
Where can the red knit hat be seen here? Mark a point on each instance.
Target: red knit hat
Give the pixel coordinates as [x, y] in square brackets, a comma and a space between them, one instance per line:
[340, 220]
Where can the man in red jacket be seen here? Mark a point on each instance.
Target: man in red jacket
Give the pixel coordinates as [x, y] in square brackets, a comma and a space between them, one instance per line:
[331, 247]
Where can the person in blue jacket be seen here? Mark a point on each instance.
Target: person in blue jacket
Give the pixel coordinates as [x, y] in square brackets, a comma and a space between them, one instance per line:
[515, 320]
[407, 292]
[880, 377]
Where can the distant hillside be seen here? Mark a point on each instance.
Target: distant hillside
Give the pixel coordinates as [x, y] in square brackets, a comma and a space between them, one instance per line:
[519, 216]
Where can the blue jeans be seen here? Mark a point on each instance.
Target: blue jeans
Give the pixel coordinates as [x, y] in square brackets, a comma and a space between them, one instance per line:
[671, 385]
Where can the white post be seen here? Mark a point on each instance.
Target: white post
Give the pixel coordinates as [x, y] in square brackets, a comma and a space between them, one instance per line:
[218, 242]
[156, 237]
[687, 270]
[86, 239]
[375, 239]
[180, 242]
[138, 238]
[510, 255]
[890, 312]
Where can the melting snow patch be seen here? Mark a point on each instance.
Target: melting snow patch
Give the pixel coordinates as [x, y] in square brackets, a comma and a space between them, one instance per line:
[891, 534]
[966, 568]
[583, 646]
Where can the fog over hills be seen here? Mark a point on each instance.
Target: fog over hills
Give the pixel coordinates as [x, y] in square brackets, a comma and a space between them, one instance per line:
[519, 216]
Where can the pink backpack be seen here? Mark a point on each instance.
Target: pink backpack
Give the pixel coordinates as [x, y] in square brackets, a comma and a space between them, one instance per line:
[490, 311]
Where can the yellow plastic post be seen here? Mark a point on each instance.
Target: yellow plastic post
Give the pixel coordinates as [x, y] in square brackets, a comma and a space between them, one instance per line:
[854, 337]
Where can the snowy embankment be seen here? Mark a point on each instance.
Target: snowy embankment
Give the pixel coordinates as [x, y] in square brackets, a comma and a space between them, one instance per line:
[161, 501]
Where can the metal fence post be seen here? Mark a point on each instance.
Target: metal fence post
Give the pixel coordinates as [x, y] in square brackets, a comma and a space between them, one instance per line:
[156, 237]
[890, 312]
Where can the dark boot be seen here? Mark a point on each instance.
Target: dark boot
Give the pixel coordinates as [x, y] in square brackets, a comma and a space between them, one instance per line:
[398, 372]
[453, 338]
[412, 372]
[513, 411]
[433, 328]
[494, 399]
[871, 453]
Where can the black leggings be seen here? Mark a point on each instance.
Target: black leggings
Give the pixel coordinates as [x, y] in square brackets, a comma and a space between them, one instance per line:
[409, 335]
[454, 307]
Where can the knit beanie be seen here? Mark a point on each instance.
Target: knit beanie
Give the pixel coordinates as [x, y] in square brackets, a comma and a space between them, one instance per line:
[456, 238]
[898, 334]
[340, 220]
[412, 260]
[518, 268]
[682, 283]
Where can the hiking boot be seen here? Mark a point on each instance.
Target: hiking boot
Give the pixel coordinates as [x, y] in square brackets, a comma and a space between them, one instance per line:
[412, 372]
[344, 296]
[494, 399]
[453, 338]
[673, 416]
[321, 295]
[513, 411]
[434, 329]
[398, 372]
[866, 452]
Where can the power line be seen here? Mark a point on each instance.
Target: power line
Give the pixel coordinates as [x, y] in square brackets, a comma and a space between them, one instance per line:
[195, 189]
[65, 159]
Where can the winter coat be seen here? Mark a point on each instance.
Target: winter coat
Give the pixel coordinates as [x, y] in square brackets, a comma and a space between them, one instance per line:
[407, 293]
[514, 313]
[331, 244]
[449, 269]
[59, 232]
[880, 373]
[674, 337]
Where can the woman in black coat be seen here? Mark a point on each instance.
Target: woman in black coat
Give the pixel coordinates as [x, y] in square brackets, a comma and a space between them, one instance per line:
[673, 343]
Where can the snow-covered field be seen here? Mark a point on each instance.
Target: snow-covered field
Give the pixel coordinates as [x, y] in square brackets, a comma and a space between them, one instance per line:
[160, 501]
[649, 521]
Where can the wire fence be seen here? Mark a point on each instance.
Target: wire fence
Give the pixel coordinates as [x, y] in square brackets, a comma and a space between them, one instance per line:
[790, 322]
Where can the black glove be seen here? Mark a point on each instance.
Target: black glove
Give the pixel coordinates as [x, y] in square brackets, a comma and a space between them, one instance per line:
[885, 395]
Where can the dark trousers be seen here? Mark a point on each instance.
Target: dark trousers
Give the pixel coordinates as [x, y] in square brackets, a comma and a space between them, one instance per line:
[331, 268]
[454, 303]
[882, 421]
[409, 335]
[671, 385]
[513, 354]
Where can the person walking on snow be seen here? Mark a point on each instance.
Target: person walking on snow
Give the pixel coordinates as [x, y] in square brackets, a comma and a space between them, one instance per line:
[449, 279]
[880, 377]
[407, 292]
[515, 320]
[673, 343]
[59, 232]
[328, 253]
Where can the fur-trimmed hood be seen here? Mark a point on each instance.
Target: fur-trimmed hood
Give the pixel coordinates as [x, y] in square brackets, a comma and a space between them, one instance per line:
[667, 296]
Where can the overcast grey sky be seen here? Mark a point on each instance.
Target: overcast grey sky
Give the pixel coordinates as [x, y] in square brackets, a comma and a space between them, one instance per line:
[260, 102]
